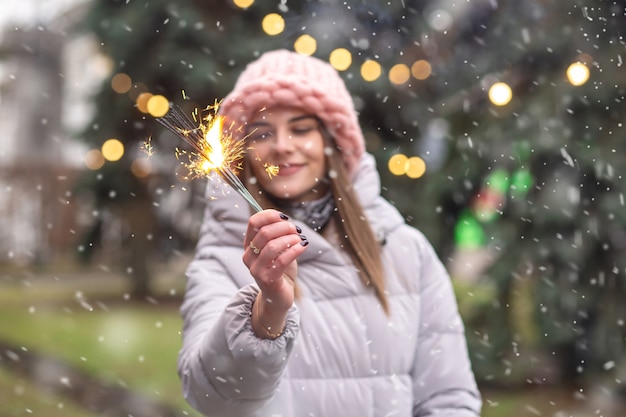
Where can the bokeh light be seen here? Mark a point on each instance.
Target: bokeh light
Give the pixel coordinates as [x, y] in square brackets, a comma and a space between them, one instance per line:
[112, 150]
[521, 182]
[468, 233]
[500, 94]
[142, 102]
[415, 167]
[340, 59]
[421, 69]
[273, 24]
[577, 74]
[305, 45]
[94, 159]
[440, 19]
[121, 83]
[399, 74]
[371, 70]
[397, 164]
[141, 167]
[158, 106]
[243, 4]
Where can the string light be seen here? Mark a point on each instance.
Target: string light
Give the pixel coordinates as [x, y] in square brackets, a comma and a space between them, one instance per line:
[112, 150]
[243, 4]
[158, 106]
[370, 70]
[340, 59]
[305, 45]
[415, 167]
[399, 74]
[94, 159]
[397, 164]
[121, 83]
[142, 102]
[421, 69]
[577, 74]
[500, 94]
[273, 24]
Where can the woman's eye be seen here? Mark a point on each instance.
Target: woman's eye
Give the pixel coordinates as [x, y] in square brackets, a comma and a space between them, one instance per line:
[302, 130]
[260, 135]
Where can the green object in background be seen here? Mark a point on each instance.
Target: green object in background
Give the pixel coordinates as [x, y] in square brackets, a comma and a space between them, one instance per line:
[468, 233]
[521, 181]
[498, 180]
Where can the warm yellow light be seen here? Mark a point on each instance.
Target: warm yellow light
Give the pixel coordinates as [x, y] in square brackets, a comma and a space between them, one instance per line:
[399, 74]
[142, 102]
[243, 4]
[577, 73]
[305, 45]
[421, 69]
[215, 148]
[94, 159]
[340, 59]
[397, 164]
[112, 150]
[121, 83]
[371, 70]
[273, 24]
[415, 167]
[500, 94]
[158, 106]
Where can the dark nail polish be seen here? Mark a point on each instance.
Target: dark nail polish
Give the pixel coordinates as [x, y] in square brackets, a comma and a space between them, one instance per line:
[302, 237]
[304, 242]
[298, 229]
[284, 216]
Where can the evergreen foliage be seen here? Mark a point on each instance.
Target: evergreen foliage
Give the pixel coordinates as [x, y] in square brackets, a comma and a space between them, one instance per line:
[539, 181]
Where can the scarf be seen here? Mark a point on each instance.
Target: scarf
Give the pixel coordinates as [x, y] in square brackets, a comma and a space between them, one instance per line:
[314, 214]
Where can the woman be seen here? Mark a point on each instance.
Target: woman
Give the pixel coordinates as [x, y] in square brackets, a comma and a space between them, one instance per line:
[339, 308]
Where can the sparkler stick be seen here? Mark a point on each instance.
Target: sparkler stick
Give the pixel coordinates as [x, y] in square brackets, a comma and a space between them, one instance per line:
[216, 151]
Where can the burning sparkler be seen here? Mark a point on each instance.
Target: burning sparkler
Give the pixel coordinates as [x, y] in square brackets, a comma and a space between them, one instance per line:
[214, 151]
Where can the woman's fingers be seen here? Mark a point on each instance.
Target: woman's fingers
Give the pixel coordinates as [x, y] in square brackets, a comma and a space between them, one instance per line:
[259, 221]
[272, 245]
[264, 228]
[274, 256]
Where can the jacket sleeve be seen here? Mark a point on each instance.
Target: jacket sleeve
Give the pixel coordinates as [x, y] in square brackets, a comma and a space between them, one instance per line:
[225, 369]
[443, 380]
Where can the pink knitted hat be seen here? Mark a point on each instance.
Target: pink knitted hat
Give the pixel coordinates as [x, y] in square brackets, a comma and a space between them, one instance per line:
[283, 77]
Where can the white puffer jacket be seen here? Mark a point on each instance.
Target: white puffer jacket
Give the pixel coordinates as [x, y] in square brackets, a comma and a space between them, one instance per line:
[340, 355]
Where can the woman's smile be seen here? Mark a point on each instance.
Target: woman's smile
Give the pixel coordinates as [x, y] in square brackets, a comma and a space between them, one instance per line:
[291, 139]
[288, 169]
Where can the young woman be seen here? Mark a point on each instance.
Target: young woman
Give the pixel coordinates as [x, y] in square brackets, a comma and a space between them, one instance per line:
[325, 303]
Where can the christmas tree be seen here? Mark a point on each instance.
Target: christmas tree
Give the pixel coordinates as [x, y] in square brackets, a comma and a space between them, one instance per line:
[497, 127]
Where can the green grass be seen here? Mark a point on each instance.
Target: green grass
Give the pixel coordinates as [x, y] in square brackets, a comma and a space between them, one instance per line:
[21, 398]
[120, 342]
[136, 345]
[123, 343]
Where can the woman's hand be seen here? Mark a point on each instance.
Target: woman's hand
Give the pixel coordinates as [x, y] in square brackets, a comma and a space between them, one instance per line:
[272, 244]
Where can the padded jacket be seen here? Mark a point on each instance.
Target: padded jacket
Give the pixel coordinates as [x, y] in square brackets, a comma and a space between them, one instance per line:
[340, 355]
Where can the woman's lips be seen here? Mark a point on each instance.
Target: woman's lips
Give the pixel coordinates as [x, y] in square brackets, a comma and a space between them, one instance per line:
[289, 169]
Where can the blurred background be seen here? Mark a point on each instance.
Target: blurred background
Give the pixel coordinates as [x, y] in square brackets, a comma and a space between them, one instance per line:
[497, 125]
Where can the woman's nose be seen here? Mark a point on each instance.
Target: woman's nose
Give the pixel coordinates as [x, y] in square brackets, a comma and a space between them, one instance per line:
[283, 141]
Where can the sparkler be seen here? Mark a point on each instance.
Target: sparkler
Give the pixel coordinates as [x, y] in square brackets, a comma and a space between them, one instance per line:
[212, 149]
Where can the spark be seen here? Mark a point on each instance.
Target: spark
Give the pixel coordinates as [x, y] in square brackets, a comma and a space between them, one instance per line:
[212, 149]
[272, 170]
[147, 146]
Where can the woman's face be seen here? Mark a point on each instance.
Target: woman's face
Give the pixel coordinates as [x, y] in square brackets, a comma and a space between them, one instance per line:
[291, 139]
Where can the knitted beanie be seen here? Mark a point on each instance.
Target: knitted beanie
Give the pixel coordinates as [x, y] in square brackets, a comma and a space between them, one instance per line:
[287, 78]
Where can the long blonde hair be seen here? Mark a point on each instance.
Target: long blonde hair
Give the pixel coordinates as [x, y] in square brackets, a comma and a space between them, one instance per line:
[355, 232]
